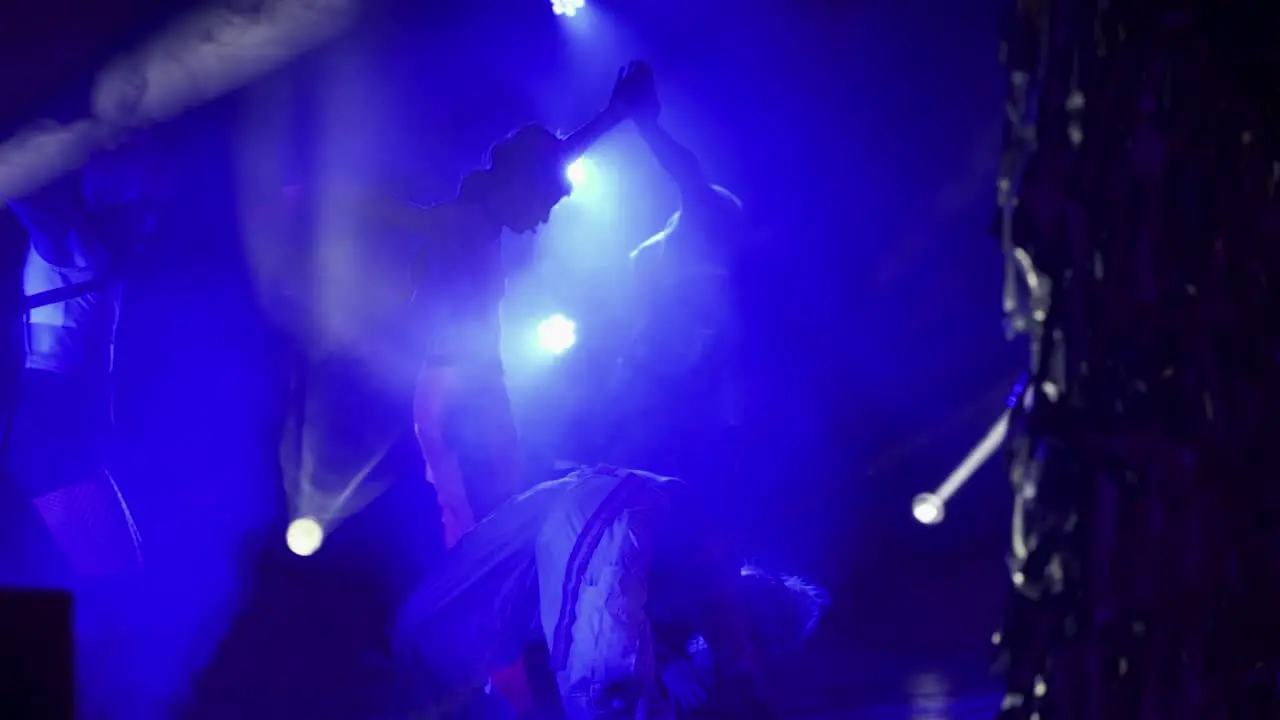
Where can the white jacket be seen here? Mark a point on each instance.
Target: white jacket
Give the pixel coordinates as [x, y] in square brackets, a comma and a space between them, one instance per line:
[577, 551]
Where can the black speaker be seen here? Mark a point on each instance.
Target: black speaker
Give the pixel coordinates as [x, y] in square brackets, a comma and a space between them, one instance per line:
[36, 663]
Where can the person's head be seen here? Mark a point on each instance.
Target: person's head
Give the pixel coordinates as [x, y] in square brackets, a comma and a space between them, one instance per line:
[698, 577]
[526, 178]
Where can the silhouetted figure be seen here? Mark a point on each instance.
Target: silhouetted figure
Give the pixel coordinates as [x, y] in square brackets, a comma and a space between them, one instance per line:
[462, 413]
[79, 229]
[684, 361]
[63, 414]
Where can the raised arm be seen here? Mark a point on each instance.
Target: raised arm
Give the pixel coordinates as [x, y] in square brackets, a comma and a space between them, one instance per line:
[597, 127]
[678, 161]
[631, 91]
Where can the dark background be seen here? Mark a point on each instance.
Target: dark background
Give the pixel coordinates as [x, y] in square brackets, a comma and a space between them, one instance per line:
[862, 136]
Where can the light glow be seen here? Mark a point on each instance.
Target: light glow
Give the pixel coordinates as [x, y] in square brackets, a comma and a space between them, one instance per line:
[928, 509]
[304, 536]
[567, 8]
[577, 172]
[557, 334]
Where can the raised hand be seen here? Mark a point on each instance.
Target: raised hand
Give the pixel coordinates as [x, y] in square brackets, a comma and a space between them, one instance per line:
[634, 93]
[633, 98]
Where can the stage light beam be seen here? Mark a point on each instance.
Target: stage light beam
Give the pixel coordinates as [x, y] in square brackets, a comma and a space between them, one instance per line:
[567, 8]
[304, 536]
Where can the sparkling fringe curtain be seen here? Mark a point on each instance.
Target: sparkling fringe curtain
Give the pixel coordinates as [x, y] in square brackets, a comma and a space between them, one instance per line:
[1138, 217]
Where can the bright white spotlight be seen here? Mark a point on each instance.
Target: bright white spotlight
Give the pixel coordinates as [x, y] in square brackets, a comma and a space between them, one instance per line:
[928, 509]
[567, 8]
[577, 172]
[304, 536]
[557, 334]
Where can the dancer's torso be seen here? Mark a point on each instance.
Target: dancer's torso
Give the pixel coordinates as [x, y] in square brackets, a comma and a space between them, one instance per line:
[77, 335]
[688, 305]
[458, 297]
[682, 378]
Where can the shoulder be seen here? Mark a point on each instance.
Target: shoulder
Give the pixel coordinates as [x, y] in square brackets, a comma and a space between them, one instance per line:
[440, 229]
[430, 219]
[450, 215]
[712, 203]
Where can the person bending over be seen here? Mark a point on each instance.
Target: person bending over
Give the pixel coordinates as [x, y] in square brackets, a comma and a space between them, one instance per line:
[622, 575]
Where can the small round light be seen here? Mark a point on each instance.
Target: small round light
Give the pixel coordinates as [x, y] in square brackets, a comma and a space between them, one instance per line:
[557, 334]
[928, 509]
[304, 536]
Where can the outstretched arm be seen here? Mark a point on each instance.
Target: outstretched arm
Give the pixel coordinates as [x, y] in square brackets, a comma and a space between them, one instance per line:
[677, 160]
[597, 127]
[631, 91]
[398, 214]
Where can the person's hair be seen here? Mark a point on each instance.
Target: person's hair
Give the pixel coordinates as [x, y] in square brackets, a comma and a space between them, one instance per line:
[782, 609]
[526, 146]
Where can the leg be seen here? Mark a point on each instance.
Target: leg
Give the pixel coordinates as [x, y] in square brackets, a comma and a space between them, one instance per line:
[481, 426]
[93, 528]
[542, 681]
[57, 456]
[437, 389]
[468, 438]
